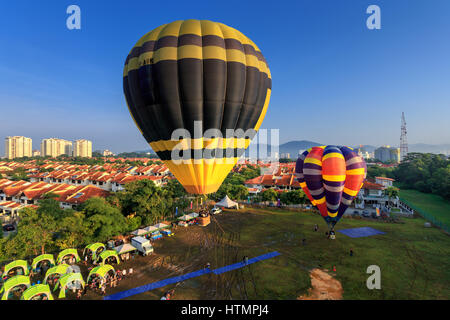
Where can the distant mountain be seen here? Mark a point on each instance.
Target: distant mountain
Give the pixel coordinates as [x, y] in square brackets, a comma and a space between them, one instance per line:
[144, 151]
[429, 148]
[366, 147]
[137, 154]
[417, 147]
[293, 147]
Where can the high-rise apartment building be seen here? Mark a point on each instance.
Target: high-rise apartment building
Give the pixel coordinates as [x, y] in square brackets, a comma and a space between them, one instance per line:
[82, 148]
[386, 154]
[54, 147]
[107, 153]
[18, 147]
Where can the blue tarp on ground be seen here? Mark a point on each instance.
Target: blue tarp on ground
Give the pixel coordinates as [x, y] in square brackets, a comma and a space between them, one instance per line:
[360, 232]
[155, 285]
[165, 282]
[241, 264]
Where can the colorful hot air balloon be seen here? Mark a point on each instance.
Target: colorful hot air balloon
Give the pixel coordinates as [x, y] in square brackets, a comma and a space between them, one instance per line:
[193, 72]
[331, 177]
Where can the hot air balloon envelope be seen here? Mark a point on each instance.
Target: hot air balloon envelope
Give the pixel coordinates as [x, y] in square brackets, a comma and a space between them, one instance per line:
[331, 177]
[198, 91]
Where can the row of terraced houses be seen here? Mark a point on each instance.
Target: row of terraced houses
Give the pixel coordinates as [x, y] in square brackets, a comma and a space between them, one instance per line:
[282, 178]
[73, 184]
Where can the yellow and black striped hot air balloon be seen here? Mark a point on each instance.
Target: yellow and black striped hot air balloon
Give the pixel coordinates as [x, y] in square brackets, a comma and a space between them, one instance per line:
[198, 91]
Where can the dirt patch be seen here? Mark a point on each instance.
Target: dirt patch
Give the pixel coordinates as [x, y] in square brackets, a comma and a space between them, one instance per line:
[324, 287]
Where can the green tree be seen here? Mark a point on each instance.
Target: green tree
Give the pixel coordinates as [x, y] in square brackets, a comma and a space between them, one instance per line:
[440, 182]
[37, 227]
[269, 195]
[238, 192]
[376, 171]
[424, 172]
[392, 192]
[293, 197]
[175, 188]
[74, 230]
[146, 200]
[102, 221]
[19, 174]
[133, 222]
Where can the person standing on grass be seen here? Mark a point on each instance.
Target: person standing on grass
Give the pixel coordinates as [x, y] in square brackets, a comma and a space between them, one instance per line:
[351, 252]
[316, 227]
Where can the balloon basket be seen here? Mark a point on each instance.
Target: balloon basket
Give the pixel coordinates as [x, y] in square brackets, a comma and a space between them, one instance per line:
[204, 221]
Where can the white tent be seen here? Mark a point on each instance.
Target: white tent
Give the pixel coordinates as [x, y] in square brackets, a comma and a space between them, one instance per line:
[227, 203]
[186, 217]
[73, 269]
[139, 232]
[124, 248]
[150, 229]
[160, 226]
[193, 215]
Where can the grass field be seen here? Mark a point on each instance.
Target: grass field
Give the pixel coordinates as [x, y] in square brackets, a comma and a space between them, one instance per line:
[413, 260]
[435, 205]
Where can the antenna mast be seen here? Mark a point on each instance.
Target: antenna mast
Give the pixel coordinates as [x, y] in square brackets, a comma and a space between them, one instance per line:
[403, 139]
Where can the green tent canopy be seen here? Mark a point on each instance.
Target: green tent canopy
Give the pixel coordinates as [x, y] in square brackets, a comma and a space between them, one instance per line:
[13, 282]
[43, 257]
[17, 264]
[108, 253]
[93, 247]
[67, 252]
[101, 271]
[35, 290]
[59, 269]
[66, 279]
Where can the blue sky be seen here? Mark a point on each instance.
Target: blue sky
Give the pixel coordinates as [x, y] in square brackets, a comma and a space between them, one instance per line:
[334, 80]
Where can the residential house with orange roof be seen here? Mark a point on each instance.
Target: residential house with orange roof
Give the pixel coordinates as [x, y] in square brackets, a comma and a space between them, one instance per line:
[29, 193]
[268, 181]
[81, 194]
[119, 183]
[373, 195]
[386, 182]
[9, 211]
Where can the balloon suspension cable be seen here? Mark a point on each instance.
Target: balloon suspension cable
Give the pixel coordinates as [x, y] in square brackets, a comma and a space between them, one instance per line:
[331, 225]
